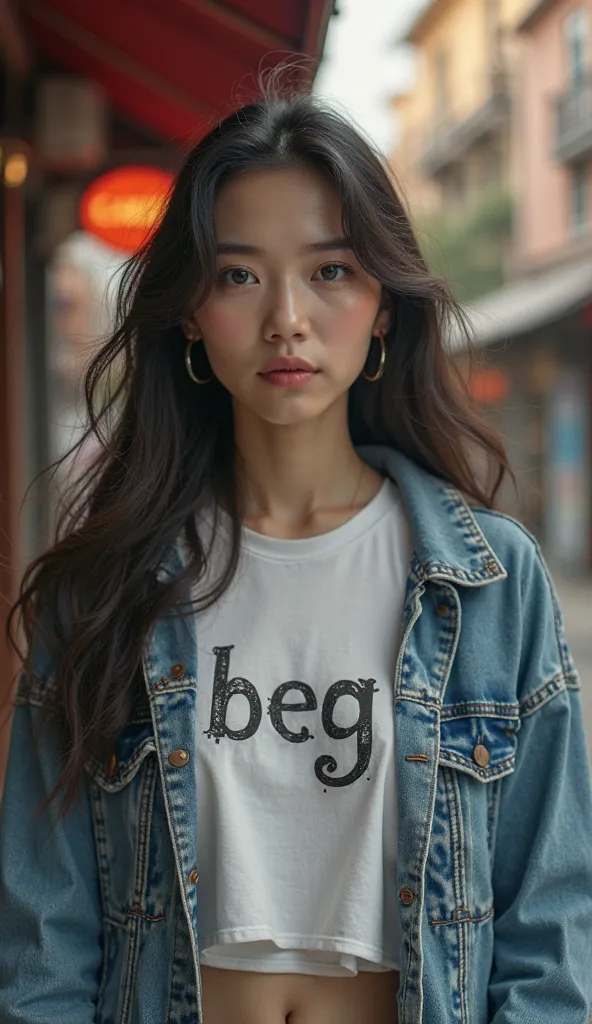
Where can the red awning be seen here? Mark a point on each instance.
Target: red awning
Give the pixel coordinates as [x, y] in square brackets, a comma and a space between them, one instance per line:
[173, 67]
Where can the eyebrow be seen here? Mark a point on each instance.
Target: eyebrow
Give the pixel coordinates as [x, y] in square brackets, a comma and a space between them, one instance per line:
[236, 248]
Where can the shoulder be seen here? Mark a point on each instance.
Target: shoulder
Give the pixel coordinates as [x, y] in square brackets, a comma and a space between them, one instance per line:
[528, 582]
[515, 546]
[528, 603]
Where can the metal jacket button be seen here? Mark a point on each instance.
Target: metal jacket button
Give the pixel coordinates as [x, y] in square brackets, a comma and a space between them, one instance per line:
[112, 766]
[406, 896]
[177, 671]
[193, 876]
[481, 755]
[178, 757]
[443, 610]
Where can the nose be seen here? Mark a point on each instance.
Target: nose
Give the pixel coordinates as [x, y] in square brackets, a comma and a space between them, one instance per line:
[286, 318]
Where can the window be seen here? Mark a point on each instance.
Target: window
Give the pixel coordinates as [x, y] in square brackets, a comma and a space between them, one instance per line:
[579, 197]
[575, 28]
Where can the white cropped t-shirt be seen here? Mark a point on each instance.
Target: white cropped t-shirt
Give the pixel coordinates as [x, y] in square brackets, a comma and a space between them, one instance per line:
[297, 835]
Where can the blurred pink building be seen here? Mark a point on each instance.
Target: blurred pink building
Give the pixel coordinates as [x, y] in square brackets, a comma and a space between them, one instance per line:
[554, 123]
[537, 327]
[500, 119]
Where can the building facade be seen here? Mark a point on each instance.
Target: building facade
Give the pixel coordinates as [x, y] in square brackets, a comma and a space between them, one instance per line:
[455, 126]
[504, 94]
[556, 131]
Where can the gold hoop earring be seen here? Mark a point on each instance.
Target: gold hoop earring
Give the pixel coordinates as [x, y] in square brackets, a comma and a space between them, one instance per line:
[197, 380]
[380, 369]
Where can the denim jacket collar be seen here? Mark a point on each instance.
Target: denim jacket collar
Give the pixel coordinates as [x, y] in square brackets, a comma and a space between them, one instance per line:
[449, 543]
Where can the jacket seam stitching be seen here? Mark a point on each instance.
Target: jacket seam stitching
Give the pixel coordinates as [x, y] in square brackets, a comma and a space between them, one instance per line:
[475, 708]
[467, 517]
[125, 771]
[426, 702]
[463, 920]
[554, 686]
[458, 881]
[447, 756]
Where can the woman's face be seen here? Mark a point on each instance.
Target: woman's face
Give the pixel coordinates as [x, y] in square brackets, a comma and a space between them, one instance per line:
[288, 285]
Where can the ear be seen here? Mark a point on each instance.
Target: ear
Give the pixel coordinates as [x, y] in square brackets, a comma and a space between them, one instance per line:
[383, 320]
[190, 328]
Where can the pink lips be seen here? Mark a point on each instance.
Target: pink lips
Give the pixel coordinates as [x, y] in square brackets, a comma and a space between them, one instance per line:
[288, 372]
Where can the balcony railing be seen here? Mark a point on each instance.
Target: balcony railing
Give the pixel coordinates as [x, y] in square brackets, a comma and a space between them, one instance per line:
[449, 138]
[573, 123]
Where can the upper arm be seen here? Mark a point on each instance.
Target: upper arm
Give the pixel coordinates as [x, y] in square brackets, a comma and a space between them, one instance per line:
[542, 868]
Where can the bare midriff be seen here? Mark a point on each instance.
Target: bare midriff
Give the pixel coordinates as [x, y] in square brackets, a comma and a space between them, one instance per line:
[251, 997]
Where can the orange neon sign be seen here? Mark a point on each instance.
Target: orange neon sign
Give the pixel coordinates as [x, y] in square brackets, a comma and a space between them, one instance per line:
[123, 206]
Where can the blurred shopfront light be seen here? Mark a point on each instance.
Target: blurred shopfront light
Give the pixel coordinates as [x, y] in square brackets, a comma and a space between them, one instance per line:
[16, 167]
[123, 206]
[489, 385]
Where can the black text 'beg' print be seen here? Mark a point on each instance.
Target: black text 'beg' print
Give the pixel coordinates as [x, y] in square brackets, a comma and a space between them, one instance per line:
[361, 690]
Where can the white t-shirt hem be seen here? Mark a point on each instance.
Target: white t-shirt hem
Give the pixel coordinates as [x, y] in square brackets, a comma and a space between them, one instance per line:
[290, 955]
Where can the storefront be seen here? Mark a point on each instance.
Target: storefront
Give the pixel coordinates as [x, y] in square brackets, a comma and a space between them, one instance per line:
[537, 334]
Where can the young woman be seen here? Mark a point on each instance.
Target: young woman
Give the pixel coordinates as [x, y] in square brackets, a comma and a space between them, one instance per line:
[298, 736]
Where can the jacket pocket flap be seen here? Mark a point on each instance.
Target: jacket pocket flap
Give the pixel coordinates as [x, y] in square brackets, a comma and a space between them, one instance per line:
[134, 745]
[482, 745]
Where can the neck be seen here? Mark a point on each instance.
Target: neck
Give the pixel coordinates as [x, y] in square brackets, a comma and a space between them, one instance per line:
[291, 474]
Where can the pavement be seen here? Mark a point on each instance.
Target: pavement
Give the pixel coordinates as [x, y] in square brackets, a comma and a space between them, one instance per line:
[575, 597]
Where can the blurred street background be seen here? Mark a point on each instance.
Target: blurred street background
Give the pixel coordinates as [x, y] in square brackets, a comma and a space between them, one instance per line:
[483, 109]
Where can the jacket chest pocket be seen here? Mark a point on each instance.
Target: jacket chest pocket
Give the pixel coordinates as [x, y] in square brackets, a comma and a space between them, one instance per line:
[477, 750]
[134, 852]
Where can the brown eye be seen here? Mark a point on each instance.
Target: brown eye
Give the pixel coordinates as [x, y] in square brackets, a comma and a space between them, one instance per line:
[332, 272]
[237, 276]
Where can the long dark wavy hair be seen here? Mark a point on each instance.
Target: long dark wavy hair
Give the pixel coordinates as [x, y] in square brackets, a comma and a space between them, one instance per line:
[167, 445]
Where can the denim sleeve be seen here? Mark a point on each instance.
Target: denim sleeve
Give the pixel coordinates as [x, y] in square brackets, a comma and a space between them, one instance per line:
[542, 869]
[50, 906]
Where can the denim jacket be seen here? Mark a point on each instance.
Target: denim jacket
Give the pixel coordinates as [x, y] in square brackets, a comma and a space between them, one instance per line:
[99, 913]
